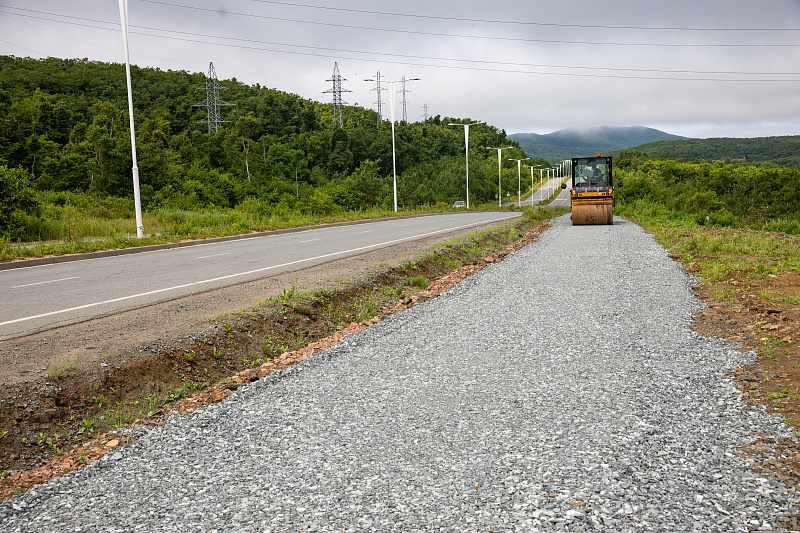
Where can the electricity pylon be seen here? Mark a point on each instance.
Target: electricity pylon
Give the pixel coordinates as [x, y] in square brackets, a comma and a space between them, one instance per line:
[337, 95]
[378, 88]
[212, 103]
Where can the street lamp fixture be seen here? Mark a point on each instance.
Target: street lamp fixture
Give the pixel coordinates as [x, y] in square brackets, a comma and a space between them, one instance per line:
[519, 179]
[466, 144]
[499, 167]
[394, 165]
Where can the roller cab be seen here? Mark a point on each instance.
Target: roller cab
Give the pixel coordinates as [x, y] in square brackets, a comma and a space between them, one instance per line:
[592, 192]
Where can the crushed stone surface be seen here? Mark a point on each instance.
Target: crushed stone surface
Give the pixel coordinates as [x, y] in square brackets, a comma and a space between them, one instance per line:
[559, 390]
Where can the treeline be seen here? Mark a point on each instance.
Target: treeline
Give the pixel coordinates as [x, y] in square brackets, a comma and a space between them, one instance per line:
[783, 151]
[65, 123]
[759, 195]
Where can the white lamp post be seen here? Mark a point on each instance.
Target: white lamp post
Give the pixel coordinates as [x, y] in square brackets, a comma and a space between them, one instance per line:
[466, 143]
[391, 113]
[519, 179]
[137, 199]
[540, 179]
[499, 168]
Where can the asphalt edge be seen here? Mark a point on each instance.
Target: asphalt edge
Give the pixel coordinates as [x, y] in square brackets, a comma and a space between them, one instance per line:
[38, 261]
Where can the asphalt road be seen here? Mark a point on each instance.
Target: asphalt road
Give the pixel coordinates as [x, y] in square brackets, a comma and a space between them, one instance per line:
[541, 194]
[563, 198]
[43, 297]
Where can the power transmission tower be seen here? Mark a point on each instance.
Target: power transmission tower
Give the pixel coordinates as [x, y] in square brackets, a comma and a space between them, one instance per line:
[378, 88]
[403, 80]
[212, 102]
[425, 113]
[337, 95]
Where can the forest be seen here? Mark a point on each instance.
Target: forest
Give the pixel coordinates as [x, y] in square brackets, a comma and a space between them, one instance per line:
[783, 150]
[761, 196]
[65, 161]
[64, 128]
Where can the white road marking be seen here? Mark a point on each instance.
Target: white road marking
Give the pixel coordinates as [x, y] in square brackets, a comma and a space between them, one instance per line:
[215, 255]
[309, 240]
[230, 276]
[43, 282]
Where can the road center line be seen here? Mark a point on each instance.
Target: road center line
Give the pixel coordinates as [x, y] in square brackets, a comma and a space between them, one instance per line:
[43, 282]
[215, 255]
[230, 276]
[309, 240]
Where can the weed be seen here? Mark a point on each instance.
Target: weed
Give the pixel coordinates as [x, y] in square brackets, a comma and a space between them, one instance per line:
[302, 310]
[177, 394]
[452, 264]
[119, 418]
[286, 295]
[323, 293]
[100, 400]
[365, 309]
[53, 445]
[61, 369]
[216, 354]
[417, 281]
[228, 327]
[3, 433]
[189, 356]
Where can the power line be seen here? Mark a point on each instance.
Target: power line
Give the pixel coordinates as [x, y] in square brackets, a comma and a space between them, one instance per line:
[438, 34]
[432, 58]
[515, 22]
[428, 58]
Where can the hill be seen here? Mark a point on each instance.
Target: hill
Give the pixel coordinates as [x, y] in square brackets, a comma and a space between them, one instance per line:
[64, 123]
[573, 142]
[783, 151]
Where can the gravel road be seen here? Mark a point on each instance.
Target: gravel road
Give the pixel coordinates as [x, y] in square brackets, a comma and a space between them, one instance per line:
[559, 390]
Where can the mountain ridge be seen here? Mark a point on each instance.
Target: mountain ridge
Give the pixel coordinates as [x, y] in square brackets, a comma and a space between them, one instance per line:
[573, 142]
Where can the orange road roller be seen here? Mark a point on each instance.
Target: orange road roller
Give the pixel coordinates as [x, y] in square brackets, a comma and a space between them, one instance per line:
[592, 192]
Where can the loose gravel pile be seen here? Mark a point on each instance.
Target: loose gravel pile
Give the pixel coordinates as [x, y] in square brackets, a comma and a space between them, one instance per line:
[559, 390]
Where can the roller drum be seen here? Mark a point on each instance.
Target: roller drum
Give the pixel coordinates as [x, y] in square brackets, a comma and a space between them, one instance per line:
[587, 214]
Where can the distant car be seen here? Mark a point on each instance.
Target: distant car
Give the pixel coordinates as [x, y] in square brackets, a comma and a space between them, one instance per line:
[460, 204]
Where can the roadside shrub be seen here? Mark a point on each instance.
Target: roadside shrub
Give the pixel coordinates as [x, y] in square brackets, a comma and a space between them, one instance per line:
[17, 200]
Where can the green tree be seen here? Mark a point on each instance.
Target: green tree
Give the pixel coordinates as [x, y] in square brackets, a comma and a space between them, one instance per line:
[16, 201]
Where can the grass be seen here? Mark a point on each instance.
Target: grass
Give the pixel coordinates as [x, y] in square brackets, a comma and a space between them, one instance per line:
[72, 223]
[61, 369]
[417, 281]
[719, 252]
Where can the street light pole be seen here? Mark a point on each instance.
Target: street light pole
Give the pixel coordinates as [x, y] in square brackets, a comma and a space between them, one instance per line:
[466, 144]
[137, 199]
[391, 113]
[499, 168]
[540, 173]
[519, 179]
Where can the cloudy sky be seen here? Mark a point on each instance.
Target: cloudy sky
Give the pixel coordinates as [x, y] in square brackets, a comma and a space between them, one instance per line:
[699, 68]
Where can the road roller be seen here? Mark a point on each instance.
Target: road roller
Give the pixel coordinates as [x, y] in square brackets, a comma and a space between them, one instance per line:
[592, 193]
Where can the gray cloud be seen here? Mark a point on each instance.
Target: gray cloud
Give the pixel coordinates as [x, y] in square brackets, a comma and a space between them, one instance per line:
[519, 77]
